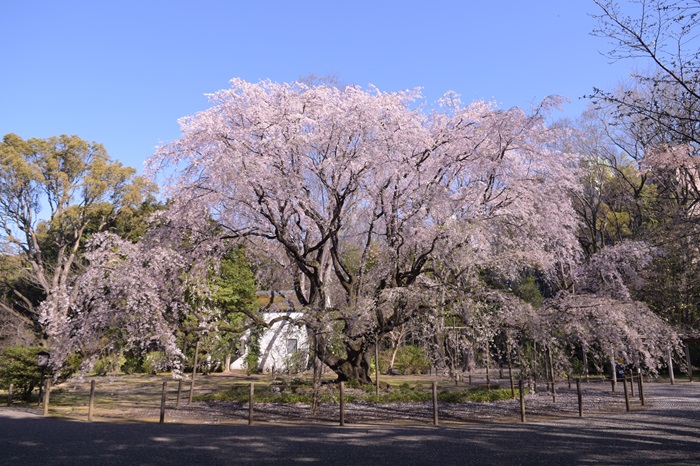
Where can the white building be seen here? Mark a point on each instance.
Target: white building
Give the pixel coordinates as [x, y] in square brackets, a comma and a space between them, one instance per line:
[284, 346]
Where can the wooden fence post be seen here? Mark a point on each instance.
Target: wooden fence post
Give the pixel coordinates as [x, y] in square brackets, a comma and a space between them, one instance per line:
[552, 375]
[179, 394]
[376, 363]
[162, 403]
[627, 398]
[435, 404]
[641, 386]
[613, 374]
[534, 365]
[488, 369]
[580, 398]
[251, 400]
[91, 404]
[342, 403]
[194, 372]
[670, 366]
[510, 376]
[522, 401]
[632, 384]
[47, 392]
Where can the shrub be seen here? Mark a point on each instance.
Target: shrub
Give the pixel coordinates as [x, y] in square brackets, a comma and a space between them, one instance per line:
[295, 362]
[484, 395]
[353, 384]
[133, 363]
[402, 395]
[263, 394]
[369, 388]
[155, 361]
[453, 396]
[252, 358]
[18, 366]
[411, 360]
[478, 395]
[109, 364]
[298, 392]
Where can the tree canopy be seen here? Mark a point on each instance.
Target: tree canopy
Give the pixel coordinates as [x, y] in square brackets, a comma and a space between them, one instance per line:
[54, 193]
[363, 195]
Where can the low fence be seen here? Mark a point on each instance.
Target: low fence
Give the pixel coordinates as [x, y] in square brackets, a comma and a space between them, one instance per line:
[176, 405]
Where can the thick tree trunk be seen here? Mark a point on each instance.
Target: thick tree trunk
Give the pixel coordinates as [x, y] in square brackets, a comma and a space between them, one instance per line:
[353, 370]
[355, 367]
[468, 363]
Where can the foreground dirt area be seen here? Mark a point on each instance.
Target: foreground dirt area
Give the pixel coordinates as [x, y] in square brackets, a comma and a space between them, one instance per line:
[137, 398]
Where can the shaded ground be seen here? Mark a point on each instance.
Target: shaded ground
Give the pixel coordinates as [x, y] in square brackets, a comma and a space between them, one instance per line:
[664, 433]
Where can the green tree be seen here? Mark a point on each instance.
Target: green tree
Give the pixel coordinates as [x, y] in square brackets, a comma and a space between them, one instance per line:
[674, 286]
[16, 327]
[54, 192]
[235, 294]
[234, 298]
[529, 291]
[235, 287]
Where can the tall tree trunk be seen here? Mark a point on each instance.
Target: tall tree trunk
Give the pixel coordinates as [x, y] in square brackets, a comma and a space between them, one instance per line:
[396, 339]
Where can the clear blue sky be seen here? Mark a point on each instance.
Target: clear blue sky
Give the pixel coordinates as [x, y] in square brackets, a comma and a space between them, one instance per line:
[122, 72]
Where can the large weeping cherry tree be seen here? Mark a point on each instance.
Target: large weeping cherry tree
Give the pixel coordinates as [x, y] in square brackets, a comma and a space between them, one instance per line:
[363, 193]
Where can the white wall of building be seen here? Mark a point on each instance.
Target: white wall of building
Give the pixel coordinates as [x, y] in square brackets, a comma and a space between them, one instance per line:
[281, 346]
